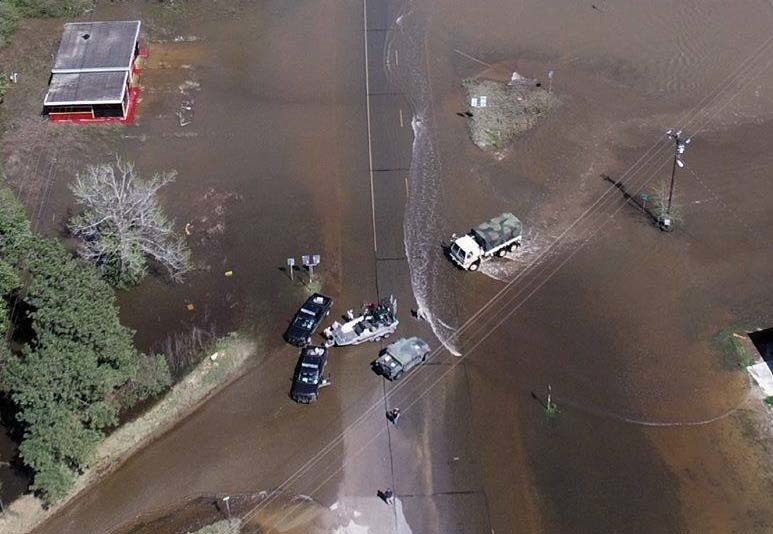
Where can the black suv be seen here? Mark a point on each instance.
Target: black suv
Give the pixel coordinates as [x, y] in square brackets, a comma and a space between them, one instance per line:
[308, 318]
[308, 375]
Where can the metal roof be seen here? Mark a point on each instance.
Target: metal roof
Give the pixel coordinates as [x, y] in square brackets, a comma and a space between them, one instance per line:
[97, 46]
[86, 88]
[93, 63]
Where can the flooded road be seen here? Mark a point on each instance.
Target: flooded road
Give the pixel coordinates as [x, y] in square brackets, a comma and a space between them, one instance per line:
[311, 133]
[615, 316]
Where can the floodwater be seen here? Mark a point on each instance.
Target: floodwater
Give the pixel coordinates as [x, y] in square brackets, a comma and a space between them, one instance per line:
[618, 318]
[615, 316]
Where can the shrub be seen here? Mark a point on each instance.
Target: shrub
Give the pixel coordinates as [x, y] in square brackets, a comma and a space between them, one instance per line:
[152, 378]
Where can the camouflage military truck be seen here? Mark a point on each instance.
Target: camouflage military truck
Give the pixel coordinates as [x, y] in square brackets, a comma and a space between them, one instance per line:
[495, 237]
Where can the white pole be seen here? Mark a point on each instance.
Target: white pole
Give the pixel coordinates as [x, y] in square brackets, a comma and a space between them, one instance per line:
[228, 506]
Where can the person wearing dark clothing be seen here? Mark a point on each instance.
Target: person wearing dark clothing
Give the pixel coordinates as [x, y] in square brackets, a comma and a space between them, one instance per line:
[393, 415]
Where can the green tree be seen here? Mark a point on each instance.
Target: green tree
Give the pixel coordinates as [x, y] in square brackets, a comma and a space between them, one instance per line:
[9, 282]
[65, 381]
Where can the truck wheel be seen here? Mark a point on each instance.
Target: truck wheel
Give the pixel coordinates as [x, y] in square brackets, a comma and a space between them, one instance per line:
[514, 246]
[424, 357]
[475, 265]
[398, 375]
[501, 252]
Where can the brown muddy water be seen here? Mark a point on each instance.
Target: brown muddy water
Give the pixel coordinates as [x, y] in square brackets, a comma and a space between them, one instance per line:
[649, 438]
[653, 433]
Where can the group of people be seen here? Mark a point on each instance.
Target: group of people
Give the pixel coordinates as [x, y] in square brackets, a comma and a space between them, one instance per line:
[387, 495]
[393, 415]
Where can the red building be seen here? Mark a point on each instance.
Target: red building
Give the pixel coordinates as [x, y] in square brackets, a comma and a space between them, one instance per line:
[92, 73]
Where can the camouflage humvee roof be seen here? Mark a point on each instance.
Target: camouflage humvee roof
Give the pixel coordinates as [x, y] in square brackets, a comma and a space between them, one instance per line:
[406, 349]
[498, 230]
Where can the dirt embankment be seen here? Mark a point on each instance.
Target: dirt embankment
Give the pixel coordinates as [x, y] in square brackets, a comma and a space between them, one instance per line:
[225, 363]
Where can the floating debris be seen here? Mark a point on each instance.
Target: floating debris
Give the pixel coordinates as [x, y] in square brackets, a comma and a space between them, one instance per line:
[185, 114]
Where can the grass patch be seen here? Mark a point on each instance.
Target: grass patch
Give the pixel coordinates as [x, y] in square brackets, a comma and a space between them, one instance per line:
[9, 21]
[221, 527]
[11, 11]
[735, 352]
[510, 110]
[313, 286]
[769, 400]
[3, 86]
[228, 355]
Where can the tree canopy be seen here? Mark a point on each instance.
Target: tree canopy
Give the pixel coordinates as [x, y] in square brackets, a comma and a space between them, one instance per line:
[74, 358]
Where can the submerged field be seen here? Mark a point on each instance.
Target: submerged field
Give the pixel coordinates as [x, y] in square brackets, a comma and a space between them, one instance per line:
[310, 135]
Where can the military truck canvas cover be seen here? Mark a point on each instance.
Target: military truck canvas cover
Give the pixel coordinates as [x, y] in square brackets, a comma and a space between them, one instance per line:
[498, 230]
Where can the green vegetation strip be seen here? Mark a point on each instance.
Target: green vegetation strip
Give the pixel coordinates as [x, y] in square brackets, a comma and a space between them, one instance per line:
[68, 364]
[221, 527]
[735, 351]
[12, 11]
[510, 110]
[223, 365]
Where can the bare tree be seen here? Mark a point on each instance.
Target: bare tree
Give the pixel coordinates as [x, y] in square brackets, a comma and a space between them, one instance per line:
[122, 225]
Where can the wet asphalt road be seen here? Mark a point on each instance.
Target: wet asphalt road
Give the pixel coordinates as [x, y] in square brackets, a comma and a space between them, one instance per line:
[251, 436]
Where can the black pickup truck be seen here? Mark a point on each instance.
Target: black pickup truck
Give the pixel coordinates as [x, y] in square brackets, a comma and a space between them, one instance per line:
[308, 377]
[308, 318]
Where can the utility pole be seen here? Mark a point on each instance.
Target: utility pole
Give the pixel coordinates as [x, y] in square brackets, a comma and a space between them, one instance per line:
[551, 409]
[665, 221]
[227, 506]
[291, 267]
